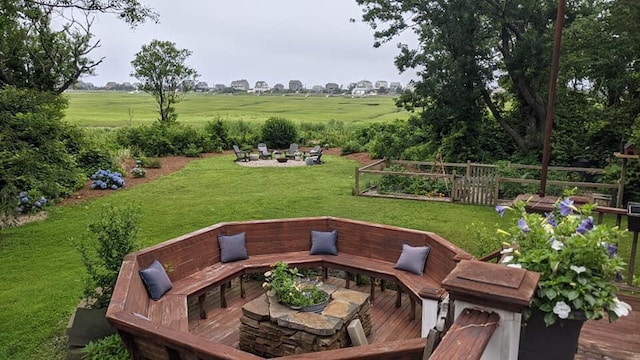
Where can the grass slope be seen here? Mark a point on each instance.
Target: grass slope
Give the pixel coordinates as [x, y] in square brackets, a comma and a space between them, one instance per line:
[113, 109]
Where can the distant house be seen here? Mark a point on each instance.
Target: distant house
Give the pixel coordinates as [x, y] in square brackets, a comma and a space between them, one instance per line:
[201, 86]
[295, 85]
[278, 88]
[395, 87]
[261, 86]
[242, 85]
[219, 87]
[332, 87]
[110, 85]
[381, 84]
[317, 89]
[364, 84]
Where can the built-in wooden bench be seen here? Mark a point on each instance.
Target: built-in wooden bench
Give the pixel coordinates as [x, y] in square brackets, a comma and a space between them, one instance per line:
[193, 265]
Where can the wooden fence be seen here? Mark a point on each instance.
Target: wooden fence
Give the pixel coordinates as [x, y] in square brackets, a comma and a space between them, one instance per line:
[471, 183]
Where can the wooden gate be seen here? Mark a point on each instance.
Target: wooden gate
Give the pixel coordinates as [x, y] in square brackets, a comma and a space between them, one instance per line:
[477, 187]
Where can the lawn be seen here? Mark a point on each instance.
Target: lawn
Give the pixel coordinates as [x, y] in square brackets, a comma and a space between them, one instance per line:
[114, 109]
[40, 270]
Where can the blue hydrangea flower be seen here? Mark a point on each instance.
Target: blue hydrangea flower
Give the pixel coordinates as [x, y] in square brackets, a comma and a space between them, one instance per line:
[22, 194]
[103, 185]
[93, 186]
[37, 204]
[566, 207]
[585, 225]
[114, 187]
[24, 200]
[522, 224]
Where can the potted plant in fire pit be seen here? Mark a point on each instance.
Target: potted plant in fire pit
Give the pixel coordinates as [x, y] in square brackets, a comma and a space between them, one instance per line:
[291, 288]
[577, 262]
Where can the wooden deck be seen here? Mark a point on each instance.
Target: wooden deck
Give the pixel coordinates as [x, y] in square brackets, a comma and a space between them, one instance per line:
[389, 323]
[599, 340]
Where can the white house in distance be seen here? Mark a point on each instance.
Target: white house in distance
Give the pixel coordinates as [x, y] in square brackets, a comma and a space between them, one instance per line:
[381, 84]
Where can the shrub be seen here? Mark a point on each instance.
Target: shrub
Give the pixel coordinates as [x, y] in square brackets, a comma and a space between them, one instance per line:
[138, 171]
[110, 237]
[218, 133]
[151, 163]
[38, 147]
[30, 202]
[110, 347]
[279, 132]
[105, 179]
[350, 147]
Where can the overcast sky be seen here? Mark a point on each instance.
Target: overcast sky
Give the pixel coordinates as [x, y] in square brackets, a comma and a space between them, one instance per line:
[274, 41]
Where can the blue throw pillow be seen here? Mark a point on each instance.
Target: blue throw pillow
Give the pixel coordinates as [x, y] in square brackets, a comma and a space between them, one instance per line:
[156, 280]
[324, 242]
[413, 258]
[232, 247]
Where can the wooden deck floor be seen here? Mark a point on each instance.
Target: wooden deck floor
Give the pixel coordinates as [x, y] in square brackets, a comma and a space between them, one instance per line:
[389, 323]
[599, 340]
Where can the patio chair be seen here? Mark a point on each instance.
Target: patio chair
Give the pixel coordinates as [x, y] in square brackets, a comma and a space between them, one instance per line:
[315, 151]
[263, 151]
[317, 158]
[293, 149]
[240, 155]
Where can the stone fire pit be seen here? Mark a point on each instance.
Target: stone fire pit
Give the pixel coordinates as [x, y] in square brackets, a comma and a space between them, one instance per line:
[270, 329]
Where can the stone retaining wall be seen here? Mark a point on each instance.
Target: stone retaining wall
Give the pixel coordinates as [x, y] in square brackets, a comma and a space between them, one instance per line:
[270, 329]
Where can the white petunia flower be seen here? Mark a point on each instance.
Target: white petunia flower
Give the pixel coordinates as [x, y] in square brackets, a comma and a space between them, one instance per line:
[507, 259]
[578, 269]
[506, 251]
[518, 266]
[562, 310]
[556, 245]
[621, 308]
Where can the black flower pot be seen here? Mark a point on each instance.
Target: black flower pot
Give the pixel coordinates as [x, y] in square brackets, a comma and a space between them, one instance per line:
[556, 342]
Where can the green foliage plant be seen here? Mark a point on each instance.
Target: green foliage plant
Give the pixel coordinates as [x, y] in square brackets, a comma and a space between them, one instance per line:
[291, 288]
[279, 132]
[162, 71]
[110, 236]
[577, 261]
[110, 347]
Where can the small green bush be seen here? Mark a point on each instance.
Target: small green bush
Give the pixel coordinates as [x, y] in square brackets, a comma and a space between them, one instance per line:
[350, 147]
[110, 347]
[279, 132]
[151, 163]
[110, 236]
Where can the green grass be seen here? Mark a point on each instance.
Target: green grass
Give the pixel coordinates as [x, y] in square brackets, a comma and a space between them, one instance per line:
[41, 273]
[114, 109]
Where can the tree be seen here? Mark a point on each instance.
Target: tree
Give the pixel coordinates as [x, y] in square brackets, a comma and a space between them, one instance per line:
[35, 56]
[467, 50]
[161, 68]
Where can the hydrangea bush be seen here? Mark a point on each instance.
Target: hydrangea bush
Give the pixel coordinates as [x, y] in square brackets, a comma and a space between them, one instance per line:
[30, 202]
[105, 179]
[577, 261]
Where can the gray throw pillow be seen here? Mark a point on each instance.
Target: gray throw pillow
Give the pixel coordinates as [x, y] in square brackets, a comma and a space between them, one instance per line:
[232, 247]
[156, 280]
[324, 242]
[413, 259]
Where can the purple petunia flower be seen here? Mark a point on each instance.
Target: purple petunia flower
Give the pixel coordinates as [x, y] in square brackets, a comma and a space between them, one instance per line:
[500, 210]
[550, 219]
[585, 225]
[522, 224]
[612, 249]
[566, 207]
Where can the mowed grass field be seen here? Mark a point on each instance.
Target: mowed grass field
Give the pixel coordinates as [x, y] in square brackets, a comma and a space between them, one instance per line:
[115, 109]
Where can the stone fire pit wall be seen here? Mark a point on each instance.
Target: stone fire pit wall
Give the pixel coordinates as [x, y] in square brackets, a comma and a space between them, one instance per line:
[270, 329]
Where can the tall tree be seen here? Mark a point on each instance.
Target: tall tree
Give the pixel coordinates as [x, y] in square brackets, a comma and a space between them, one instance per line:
[474, 55]
[161, 68]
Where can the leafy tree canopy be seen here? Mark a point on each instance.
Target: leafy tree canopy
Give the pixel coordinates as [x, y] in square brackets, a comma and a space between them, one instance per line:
[160, 66]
